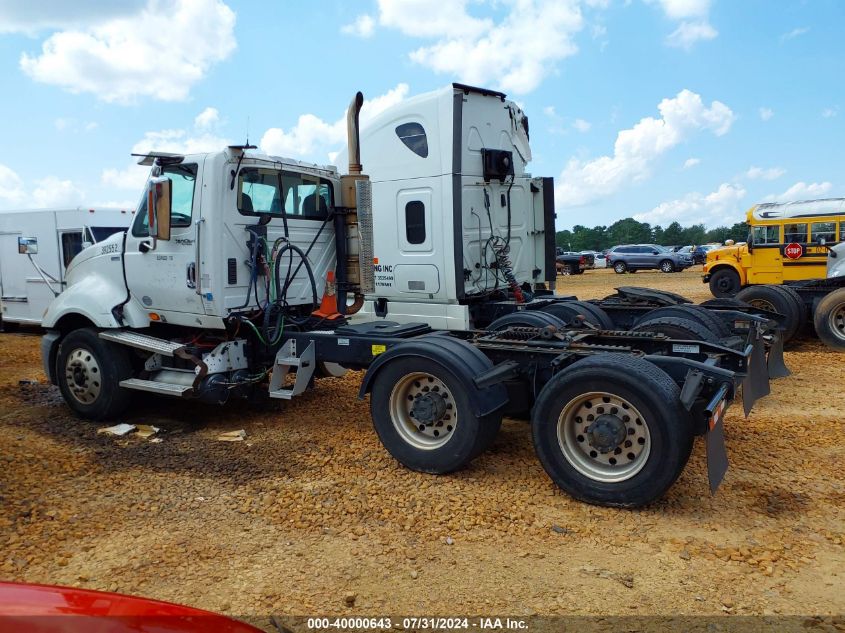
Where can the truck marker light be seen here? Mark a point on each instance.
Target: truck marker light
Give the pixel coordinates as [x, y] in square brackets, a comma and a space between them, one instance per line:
[375, 261]
[154, 317]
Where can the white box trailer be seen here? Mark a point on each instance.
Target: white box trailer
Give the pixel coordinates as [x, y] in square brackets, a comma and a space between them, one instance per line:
[36, 248]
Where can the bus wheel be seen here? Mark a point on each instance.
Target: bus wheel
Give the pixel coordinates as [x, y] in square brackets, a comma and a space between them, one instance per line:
[611, 430]
[829, 320]
[724, 283]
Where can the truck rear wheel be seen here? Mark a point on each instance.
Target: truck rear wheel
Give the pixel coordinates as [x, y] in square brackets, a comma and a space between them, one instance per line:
[700, 315]
[725, 283]
[829, 319]
[89, 371]
[424, 419]
[611, 430]
[567, 310]
[680, 328]
[526, 318]
[803, 317]
[774, 299]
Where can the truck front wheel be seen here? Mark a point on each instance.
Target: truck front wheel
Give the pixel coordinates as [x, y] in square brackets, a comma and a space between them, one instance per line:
[89, 371]
[829, 319]
[611, 430]
[423, 417]
[725, 283]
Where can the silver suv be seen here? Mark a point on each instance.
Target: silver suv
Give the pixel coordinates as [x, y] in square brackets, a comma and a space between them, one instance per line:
[634, 257]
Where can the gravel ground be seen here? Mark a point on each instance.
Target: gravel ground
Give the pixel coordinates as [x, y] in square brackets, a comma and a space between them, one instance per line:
[310, 515]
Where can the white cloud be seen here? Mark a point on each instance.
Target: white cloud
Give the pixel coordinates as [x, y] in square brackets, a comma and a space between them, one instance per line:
[759, 173]
[829, 113]
[63, 124]
[794, 33]
[689, 163]
[718, 208]
[11, 187]
[31, 17]
[638, 147]
[689, 33]
[694, 23]
[581, 125]
[176, 141]
[313, 138]
[364, 26]
[766, 113]
[685, 9]
[514, 54]
[160, 52]
[207, 118]
[52, 192]
[549, 111]
[801, 191]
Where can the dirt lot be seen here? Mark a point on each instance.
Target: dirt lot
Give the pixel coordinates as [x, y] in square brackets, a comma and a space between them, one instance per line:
[310, 508]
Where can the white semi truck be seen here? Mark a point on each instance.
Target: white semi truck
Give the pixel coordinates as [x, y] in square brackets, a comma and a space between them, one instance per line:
[36, 249]
[244, 273]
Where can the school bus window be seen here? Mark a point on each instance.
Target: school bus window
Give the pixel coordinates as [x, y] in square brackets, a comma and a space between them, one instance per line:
[795, 233]
[766, 234]
[826, 230]
[842, 231]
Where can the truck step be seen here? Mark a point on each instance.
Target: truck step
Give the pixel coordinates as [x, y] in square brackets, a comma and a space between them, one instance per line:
[153, 386]
[287, 359]
[142, 341]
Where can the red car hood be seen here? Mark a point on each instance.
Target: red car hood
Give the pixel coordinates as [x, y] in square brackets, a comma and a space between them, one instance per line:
[49, 609]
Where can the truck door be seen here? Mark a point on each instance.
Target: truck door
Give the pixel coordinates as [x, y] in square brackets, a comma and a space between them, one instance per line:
[162, 276]
[765, 261]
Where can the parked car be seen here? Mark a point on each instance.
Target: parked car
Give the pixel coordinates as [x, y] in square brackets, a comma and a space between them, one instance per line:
[599, 260]
[570, 263]
[634, 257]
[699, 253]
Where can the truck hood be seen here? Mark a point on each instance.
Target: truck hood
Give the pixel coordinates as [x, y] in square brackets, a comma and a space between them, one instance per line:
[836, 265]
[112, 246]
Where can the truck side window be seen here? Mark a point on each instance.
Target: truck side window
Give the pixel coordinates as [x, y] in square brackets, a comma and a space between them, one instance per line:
[415, 222]
[183, 180]
[827, 230]
[795, 233]
[71, 246]
[276, 193]
[766, 234]
[413, 136]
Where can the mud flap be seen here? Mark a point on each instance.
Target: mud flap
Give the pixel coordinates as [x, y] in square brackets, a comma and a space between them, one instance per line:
[756, 383]
[717, 455]
[777, 367]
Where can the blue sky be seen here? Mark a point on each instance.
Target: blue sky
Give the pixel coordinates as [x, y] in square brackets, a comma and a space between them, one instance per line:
[688, 110]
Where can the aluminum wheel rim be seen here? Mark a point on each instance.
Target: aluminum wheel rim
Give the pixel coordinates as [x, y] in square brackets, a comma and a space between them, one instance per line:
[836, 321]
[666, 267]
[84, 378]
[763, 304]
[619, 268]
[425, 436]
[616, 465]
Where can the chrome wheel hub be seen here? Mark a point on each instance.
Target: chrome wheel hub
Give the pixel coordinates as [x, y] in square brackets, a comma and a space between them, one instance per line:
[836, 320]
[423, 410]
[604, 437]
[83, 376]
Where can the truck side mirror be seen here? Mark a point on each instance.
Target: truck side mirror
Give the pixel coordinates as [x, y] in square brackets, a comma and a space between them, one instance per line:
[750, 241]
[159, 206]
[28, 245]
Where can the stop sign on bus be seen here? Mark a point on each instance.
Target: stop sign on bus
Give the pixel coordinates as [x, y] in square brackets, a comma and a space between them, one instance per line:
[793, 250]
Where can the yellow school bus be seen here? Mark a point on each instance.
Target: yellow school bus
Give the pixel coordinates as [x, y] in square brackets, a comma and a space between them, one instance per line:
[786, 242]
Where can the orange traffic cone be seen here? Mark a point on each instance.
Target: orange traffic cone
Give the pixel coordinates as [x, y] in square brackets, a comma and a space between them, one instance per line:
[328, 306]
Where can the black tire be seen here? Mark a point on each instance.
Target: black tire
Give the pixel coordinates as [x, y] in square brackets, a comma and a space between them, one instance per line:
[82, 358]
[578, 271]
[725, 283]
[600, 317]
[646, 389]
[469, 437]
[829, 320]
[526, 318]
[666, 266]
[620, 268]
[803, 314]
[693, 313]
[680, 328]
[772, 298]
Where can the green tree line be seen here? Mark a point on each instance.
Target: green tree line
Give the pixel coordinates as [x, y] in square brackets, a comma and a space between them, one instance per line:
[630, 231]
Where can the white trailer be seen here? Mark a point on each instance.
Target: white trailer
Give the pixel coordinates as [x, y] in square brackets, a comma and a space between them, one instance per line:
[36, 249]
